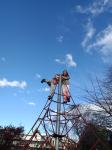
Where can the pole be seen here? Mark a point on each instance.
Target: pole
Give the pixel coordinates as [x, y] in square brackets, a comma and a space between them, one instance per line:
[58, 115]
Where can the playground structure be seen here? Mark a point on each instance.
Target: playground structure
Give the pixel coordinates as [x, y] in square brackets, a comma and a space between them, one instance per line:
[56, 126]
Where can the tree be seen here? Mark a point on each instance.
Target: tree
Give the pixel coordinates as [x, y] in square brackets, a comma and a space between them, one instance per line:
[99, 140]
[101, 95]
[10, 137]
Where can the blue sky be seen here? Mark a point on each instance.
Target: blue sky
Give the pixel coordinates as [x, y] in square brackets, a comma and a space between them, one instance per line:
[40, 38]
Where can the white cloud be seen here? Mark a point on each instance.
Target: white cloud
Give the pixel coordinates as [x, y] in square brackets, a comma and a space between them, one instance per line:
[100, 42]
[46, 89]
[59, 61]
[67, 61]
[19, 84]
[90, 31]
[60, 38]
[38, 76]
[32, 103]
[103, 44]
[96, 8]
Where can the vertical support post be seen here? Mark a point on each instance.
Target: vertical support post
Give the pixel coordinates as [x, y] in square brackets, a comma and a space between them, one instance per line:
[58, 114]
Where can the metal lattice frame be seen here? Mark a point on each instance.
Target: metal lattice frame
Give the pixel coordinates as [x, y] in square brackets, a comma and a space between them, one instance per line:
[55, 125]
